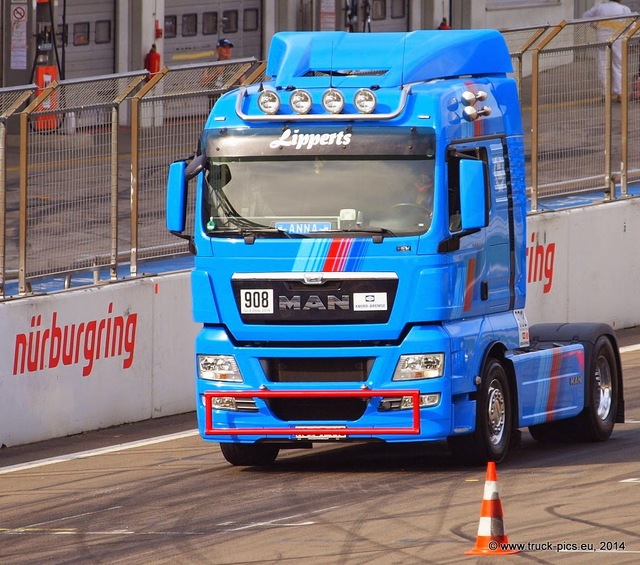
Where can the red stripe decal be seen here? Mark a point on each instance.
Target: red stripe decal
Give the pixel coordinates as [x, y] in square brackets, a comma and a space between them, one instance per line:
[468, 291]
[335, 256]
[554, 385]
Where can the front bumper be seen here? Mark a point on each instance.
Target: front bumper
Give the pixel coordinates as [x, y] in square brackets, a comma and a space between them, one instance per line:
[411, 425]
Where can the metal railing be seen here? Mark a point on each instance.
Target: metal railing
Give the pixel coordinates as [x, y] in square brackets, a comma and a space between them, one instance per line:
[11, 99]
[80, 193]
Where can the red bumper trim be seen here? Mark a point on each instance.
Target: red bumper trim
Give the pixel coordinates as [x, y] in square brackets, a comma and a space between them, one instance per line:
[313, 430]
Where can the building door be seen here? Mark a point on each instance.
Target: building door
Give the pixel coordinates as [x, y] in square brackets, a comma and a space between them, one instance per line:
[193, 27]
[88, 47]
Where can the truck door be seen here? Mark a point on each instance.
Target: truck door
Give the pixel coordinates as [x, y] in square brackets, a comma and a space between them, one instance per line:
[486, 256]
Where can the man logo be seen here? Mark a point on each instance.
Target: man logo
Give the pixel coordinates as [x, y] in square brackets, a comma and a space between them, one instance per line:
[314, 302]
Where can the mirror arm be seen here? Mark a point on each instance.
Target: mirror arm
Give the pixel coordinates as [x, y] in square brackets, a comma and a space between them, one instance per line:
[452, 243]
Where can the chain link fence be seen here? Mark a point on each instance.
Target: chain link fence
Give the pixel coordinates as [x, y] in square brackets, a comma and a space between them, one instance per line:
[11, 100]
[81, 193]
[69, 217]
[167, 116]
[630, 111]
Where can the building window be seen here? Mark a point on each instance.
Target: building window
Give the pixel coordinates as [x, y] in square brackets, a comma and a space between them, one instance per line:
[499, 4]
[379, 9]
[103, 31]
[230, 21]
[250, 20]
[209, 23]
[189, 25]
[397, 9]
[81, 33]
[170, 26]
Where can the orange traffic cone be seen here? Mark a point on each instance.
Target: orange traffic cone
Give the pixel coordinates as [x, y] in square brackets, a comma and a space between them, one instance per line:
[491, 534]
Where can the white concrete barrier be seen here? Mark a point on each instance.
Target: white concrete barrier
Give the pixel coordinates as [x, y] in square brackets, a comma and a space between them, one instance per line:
[86, 359]
[584, 263]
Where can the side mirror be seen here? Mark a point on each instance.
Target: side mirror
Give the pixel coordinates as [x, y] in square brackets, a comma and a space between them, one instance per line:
[473, 195]
[177, 197]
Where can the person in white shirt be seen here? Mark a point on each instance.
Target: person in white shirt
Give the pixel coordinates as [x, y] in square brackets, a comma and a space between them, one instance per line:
[604, 31]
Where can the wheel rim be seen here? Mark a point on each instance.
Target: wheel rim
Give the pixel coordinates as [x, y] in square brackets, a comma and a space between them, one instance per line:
[496, 412]
[603, 388]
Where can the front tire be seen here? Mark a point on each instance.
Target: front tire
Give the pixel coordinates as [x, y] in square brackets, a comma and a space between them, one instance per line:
[494, 420]
[249, 454]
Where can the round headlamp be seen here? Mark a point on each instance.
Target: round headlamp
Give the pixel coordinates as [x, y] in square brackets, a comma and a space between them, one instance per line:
[269, 102]
[365, 101]
[300, 101]
[333, 101]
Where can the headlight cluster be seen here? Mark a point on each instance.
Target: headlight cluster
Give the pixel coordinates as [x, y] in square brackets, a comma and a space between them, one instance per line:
[218, 368]
[333, 101]
[419, 366]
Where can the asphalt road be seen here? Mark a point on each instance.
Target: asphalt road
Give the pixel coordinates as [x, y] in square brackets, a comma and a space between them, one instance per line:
[134, 499]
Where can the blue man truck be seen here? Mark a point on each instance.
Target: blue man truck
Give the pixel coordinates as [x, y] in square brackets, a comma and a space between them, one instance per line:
[359, 237]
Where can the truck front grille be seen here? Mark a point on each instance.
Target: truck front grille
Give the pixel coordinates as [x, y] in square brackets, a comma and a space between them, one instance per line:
[317, 370]
[318, 409]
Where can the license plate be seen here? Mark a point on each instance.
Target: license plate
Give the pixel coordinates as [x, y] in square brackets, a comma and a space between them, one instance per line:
[318, 437]
[256, 301]
[303, 227]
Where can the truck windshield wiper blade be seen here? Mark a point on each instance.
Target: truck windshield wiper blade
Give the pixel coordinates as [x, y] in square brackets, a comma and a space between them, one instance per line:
[250, 233]
[370, 230]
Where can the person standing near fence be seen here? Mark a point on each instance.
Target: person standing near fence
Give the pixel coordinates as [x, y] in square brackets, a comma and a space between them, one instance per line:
[214, 76]
[224, 49]
[604, 30]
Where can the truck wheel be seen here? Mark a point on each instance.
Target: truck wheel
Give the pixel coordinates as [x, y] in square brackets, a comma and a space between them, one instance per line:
[249, 454]
[494, 420]
[596, 421]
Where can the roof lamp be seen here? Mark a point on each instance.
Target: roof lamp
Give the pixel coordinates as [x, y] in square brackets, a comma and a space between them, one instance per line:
[365, 101]
[300, 101]
[333, 101]
[269, 102]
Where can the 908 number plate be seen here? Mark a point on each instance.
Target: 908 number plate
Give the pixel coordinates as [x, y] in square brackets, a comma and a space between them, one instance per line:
[256, 301]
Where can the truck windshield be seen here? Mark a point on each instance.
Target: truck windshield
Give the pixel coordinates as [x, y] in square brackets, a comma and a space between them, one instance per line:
[315, 193]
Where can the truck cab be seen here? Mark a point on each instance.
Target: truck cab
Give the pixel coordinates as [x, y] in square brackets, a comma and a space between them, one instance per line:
[359, 233]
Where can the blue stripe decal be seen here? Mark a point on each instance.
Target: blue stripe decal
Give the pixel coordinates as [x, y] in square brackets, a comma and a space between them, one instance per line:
[357, 255]
[311, 255]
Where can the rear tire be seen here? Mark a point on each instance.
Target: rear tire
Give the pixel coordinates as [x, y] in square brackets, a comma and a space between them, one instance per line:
[249, 454]
[596, 421]
[494, 420]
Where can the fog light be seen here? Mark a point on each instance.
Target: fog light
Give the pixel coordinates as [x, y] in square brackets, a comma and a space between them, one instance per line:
[333, 101]
[365, 101]
[300, 101]
[269, 102]
[223, 403]
[426, 400]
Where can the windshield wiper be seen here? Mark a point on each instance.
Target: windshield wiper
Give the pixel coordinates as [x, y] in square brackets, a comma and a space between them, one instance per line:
[377, 232]
[249, 234]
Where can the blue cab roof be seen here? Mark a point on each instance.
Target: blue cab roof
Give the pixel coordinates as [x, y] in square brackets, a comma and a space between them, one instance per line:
[394, 58]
